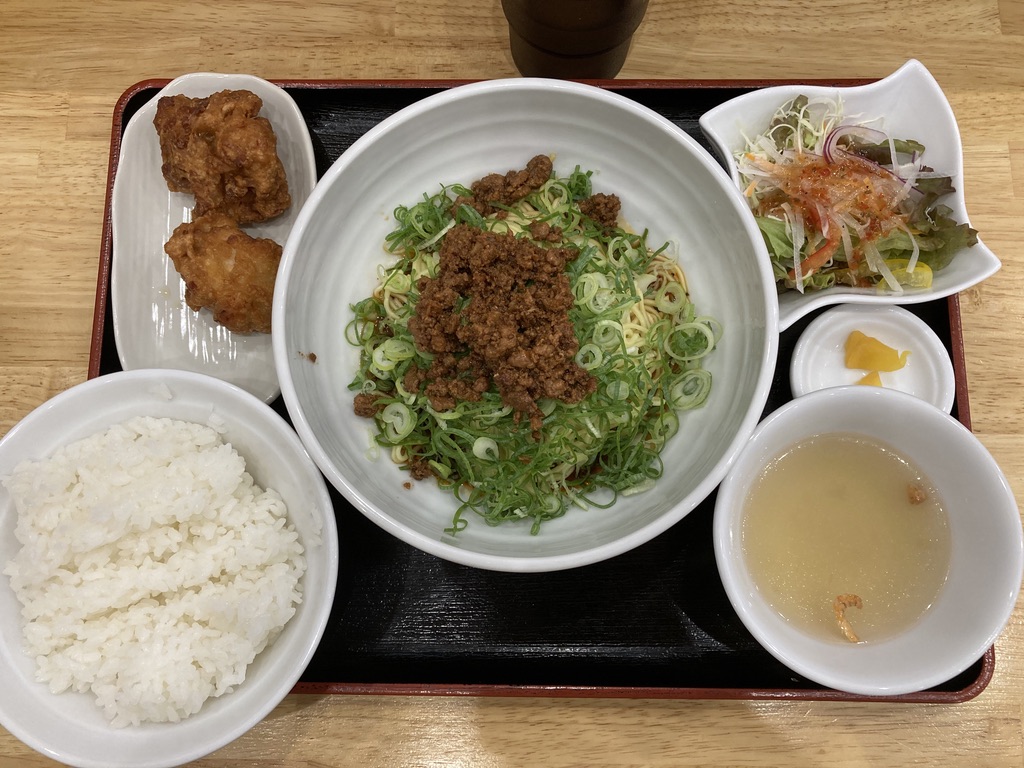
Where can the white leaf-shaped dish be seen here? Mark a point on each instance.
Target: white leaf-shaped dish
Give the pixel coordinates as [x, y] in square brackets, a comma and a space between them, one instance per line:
[912, 106]
[153, 326]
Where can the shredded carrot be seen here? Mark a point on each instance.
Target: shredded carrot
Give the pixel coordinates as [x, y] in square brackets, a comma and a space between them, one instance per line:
[820, 257]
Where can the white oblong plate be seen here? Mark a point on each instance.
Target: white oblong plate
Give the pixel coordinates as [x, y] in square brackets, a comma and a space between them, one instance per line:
[819, 360]
[153, 326]
[912, 106]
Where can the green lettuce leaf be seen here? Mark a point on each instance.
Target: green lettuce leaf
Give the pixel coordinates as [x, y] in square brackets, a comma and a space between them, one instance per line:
[940, 237]
[779, 243]
[879, 153]
[780, 248]
[790, 119]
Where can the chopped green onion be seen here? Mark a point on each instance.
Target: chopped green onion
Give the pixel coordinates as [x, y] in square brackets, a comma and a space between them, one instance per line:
[690, 341]
[691, 390]
[670, 298]
[485, 449]
[643, 346]
[589, 357]
[398, 421]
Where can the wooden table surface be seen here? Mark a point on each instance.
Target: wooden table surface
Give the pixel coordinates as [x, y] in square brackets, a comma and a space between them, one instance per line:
[63, 67]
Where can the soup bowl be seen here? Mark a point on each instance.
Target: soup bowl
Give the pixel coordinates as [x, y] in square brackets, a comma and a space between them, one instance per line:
[985, 555]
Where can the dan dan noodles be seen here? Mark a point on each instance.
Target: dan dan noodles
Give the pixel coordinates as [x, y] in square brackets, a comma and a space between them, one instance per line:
[525, 350]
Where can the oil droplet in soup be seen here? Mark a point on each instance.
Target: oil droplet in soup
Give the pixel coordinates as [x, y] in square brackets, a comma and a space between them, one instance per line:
[842, 514]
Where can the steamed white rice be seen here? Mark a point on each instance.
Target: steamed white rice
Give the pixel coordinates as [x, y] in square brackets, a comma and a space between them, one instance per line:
[152, 569]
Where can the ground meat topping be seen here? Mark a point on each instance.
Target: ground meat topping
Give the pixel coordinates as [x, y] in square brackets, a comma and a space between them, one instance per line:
[508, 189]
[602, 208]
[420, 469]
[541, 231]
[367, 406]
[498, 311]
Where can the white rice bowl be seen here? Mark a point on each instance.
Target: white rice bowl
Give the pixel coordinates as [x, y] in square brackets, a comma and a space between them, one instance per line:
[233, 619]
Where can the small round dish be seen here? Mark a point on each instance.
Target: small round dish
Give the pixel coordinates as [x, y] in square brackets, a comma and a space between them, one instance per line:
[153, 326]
[819, 357]
[70, 727]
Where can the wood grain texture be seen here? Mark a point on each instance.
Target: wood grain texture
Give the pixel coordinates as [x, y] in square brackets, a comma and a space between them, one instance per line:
[63, 67]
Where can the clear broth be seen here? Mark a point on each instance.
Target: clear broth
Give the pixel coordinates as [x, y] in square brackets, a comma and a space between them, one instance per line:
[843, 514]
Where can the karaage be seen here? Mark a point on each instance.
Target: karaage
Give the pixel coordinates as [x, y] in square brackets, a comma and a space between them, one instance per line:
[221, 150]
[226, 271]
[175, 116]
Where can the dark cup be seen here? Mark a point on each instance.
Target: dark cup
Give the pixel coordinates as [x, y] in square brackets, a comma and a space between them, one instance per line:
[571, 39]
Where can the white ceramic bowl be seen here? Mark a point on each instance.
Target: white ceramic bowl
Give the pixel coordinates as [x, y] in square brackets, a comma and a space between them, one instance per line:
[914, 107]
[153, 326]
[986, 560]
[667, 183]
[819, 358]
[70, 727]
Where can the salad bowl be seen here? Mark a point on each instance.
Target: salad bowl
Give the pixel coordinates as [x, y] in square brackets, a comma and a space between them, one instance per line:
[908, 104]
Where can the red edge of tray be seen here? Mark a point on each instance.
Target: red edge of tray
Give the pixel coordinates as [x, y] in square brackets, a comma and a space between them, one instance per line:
[566, 691]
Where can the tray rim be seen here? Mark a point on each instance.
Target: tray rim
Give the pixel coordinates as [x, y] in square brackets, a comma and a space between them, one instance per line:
[967, 693]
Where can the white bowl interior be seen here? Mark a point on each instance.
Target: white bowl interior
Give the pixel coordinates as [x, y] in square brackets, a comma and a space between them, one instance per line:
[912, 106]
[70, 727]
[986, 560]
[667, 183]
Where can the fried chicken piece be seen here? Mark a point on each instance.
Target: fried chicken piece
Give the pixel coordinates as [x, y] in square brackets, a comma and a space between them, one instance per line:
[223, 152]
[175, 117]
[226, 271]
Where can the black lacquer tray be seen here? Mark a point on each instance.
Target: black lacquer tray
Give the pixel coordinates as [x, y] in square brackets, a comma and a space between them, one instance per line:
[654, 622]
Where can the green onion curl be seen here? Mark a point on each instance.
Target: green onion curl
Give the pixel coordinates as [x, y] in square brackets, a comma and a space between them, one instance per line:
[639, 335]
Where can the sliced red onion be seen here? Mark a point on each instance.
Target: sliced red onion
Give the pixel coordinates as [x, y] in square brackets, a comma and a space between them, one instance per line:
[831, 148]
